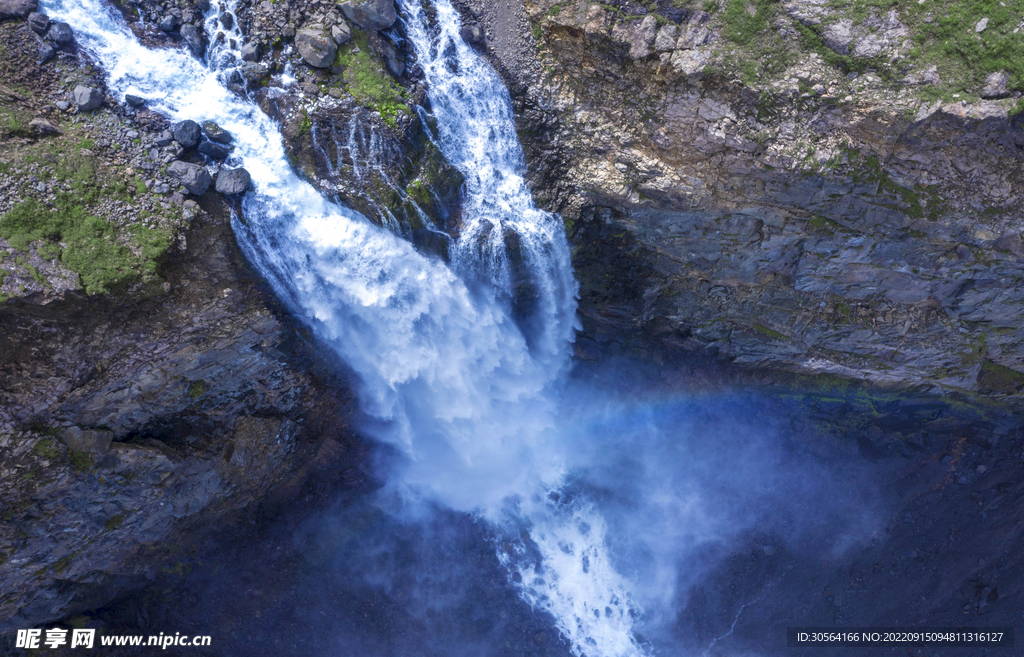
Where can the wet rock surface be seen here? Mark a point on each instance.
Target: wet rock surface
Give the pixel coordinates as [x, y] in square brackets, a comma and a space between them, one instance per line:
[922, 542]
[194, 177]
[17, 8]
[233, 181]
[187, 133]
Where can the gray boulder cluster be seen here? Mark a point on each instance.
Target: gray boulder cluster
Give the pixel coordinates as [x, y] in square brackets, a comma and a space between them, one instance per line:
[318, 45]
[56, 35]
[188, 26]
[16, 8]
[212, 141]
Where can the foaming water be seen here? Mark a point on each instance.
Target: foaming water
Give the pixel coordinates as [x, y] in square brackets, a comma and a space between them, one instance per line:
[446, 373]
[477, 135]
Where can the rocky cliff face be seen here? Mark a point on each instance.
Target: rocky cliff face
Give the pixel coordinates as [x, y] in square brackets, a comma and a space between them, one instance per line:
[824, 212]
[132, 430]
[150, 391]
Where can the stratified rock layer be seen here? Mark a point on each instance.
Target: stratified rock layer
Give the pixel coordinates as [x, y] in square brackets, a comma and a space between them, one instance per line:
[776, 224]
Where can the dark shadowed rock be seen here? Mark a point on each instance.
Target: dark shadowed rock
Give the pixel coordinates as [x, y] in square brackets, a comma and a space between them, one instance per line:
[46, 53]
[370, 14]
[1010, 243]
[194, 39]
[316, 46]
[227, 20]
[170, 23]
[187, 133]
[61, 34]
[203, 5]
[233, 181]
[87, 99]
[195, 178]
[216, 133]
[134, 101]
[472, 33]
[17, 8]
[395, 62]
[213, 151]
[39, 22]
[250, 52]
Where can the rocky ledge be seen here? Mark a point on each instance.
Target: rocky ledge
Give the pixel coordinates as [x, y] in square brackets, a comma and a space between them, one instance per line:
[836, 210]
[151, 391]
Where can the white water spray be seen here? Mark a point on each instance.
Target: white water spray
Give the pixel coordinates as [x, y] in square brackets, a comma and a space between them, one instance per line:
[448, 375]
[477, 135]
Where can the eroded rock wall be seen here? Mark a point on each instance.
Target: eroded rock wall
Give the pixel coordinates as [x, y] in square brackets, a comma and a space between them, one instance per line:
[810, 221]
[151, 390]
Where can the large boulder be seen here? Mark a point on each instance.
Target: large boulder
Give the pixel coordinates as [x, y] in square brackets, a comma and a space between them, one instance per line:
[42, 128]
[638, 35]
[87, 99]
[170, 23]
[666, 39]
[187, 133]
[370, 14]
[194, 39]
[317, 46]
[46, 53]
[250, 52]
[233, 181]
[342, 33]
[213, 151]
[61, 34]
[216, 133]
[472, 33]
[17, 8]
[39, 22]
[689, 62]
[195, 178]
[996, 85]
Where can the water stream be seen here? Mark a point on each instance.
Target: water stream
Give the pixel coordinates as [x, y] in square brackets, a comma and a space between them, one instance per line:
[468, 394]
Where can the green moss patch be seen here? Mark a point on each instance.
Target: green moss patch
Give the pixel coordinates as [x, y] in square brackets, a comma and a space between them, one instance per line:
[47, 449]
[197, 389]
[88, 244]
[771, 333]
[105, 256]
[79, 460]
[1000, 378]
[368, 81]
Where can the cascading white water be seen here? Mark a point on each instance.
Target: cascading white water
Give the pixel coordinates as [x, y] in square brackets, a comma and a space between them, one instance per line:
[447, 374]
[225, 47]
[477, 135]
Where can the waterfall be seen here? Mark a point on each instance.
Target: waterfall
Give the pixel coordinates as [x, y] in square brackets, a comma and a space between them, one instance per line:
[477, 135]
[468, 393]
